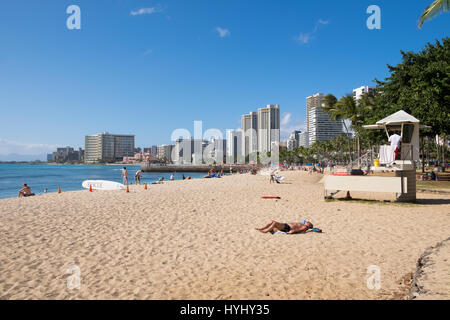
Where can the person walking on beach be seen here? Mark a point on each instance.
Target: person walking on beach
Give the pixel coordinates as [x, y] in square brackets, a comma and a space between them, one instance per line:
[290, 228]
[25, 191]
[172, 177]
[137, 177]
[125, 176]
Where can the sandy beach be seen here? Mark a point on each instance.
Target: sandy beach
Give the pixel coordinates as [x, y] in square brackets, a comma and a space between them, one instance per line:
[196, 240]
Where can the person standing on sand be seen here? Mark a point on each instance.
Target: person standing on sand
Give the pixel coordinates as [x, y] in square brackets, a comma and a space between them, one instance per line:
[125, 176]
[172, 177]
[137, 177]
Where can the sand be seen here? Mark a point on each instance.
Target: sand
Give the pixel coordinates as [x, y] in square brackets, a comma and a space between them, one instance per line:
[196, 240]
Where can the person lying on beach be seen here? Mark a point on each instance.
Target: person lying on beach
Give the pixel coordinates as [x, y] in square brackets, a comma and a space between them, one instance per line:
[290, 228]
[25, 191]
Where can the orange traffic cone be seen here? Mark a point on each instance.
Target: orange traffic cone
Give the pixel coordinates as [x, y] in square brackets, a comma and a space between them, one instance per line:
[128, 190]
[59, 189]
[145, 186]
[90, 188]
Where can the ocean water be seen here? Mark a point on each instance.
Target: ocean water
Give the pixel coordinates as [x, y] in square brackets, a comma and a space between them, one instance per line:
[69, 177]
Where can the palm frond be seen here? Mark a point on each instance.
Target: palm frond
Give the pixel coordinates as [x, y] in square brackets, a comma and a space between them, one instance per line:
[437, 7]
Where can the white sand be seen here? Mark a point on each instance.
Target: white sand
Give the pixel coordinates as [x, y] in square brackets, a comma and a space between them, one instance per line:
[196, 240]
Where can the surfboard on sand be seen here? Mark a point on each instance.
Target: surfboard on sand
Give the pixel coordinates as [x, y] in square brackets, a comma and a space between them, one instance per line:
[103, 185]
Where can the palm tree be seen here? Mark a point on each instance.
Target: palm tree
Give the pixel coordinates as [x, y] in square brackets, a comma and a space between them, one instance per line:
[340, 111]
[437, 7]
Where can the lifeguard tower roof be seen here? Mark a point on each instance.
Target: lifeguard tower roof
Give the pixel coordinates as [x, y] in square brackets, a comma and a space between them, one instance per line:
[397, 118]
[394, 119]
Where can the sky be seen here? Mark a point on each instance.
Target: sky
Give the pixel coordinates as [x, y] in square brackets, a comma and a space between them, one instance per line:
[149, 67]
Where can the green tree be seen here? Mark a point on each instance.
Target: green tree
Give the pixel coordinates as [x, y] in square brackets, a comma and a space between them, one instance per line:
[435, 8]
[338, 112]
[419, 85]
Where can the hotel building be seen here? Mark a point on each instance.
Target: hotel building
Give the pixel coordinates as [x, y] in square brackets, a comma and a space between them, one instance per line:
[358, 92]
[249, 133]
[106, 147]
[268, 127]
[318, 123]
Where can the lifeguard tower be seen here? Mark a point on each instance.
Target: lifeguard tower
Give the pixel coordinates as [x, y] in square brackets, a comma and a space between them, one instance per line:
[388, 174]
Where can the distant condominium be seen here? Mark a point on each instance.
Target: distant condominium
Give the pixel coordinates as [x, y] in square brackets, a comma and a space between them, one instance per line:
[250, 133]
[303, 139]
[106, 147]
[318, 123]
[268, 127]
[260, 130]
[199, 151]
[66, 154]
[189, 151]
[358, 92]
[294, 140]
[234, 147]
[165, 152]
[153, 150]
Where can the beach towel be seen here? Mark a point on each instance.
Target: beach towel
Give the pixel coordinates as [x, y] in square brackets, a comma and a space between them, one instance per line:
[387, 154]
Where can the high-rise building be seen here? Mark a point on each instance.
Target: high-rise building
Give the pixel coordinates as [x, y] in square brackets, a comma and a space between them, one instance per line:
[268, 127]
[303, 139]
[293, 141]
[234, 147]
[319, 125]
[66, 154]
[189, 150]
[358, 92]
[165, 152]
[249, 133]
[106, 147]
[215, 151]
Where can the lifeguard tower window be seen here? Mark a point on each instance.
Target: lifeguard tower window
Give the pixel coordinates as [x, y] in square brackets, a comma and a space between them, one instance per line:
[408, 130]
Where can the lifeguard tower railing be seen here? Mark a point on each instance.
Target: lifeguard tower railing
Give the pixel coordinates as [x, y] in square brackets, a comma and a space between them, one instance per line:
[367, 158]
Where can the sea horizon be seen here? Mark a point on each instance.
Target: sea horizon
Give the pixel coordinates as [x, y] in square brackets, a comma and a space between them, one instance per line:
[68, 177]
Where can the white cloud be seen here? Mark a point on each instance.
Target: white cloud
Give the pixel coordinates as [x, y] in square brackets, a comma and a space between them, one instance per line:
[223, 32]
[22, 148]
[304, 38]
[146, 11]
[286, 118]
[288, 125]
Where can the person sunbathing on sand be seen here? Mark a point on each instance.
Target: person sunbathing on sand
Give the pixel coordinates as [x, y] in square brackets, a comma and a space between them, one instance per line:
[25, 191]
[290, 228]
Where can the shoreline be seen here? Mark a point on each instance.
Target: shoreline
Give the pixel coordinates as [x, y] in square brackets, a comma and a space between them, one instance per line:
[196, 240]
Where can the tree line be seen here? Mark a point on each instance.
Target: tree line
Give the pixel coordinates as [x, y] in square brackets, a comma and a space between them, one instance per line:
[419, 85]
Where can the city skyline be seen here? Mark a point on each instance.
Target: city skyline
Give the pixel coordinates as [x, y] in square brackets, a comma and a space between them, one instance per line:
[152, 71]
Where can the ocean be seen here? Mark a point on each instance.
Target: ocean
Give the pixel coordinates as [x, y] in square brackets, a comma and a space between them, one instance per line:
[69, 177]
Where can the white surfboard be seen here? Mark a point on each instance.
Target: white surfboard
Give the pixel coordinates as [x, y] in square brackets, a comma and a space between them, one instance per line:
[102, 185]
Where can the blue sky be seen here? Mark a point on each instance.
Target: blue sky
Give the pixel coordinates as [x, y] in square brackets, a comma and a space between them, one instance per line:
[148, 67]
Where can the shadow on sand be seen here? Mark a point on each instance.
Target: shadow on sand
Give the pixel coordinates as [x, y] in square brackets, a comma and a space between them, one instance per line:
[417, 202]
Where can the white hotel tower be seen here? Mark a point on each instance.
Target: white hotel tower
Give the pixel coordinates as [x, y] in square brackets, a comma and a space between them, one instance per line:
[318, 123]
